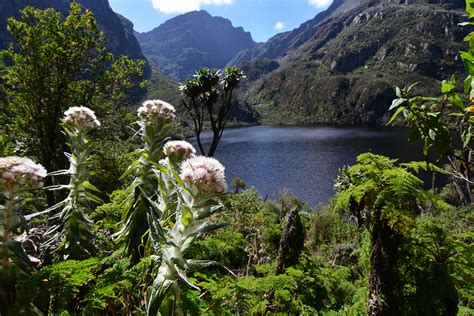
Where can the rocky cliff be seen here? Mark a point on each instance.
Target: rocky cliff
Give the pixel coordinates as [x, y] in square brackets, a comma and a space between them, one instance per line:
[183, 44]
[118, 30]
[341, 66]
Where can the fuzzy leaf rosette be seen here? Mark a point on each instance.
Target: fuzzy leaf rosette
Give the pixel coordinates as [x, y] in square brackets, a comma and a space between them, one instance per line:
[153, 110]
[203, 176]
[81, 117]
[19, 174]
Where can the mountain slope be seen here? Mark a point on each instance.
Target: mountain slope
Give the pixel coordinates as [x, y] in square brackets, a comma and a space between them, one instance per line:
[118, 31]
[282, 43]
[346, 67]
[183, 44]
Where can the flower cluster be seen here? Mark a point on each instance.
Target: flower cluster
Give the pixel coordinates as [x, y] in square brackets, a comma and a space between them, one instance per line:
[178, 150]
[19, 172]
[81, 117]
[204, 173]
[156, 109]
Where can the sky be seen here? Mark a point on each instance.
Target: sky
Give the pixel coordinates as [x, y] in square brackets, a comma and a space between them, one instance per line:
[263, 18]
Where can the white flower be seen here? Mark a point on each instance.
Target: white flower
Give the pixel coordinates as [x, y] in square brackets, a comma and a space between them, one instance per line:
[18, 172]
[178, 150]
[204, 174]
[156, 109]
[81, 117]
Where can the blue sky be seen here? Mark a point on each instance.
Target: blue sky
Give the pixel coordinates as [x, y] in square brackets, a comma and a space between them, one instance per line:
[263, 18]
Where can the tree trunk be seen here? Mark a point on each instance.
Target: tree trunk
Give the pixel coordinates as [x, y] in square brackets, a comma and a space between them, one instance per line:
[291, 242]
[383, 274]
[215, 142]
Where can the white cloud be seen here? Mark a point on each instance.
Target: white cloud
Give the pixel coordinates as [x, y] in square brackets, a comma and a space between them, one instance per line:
[319, 3]
[279, 26]
[183, 6]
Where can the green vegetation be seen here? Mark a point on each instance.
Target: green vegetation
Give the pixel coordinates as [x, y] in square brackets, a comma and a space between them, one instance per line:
[159, 85]
[55, 63]
[168, 241]
[385, 199]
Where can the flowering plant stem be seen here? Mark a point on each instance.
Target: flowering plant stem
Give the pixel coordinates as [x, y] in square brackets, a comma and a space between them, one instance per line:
[197, 201]
[8, 291]
[17, 176]
[142, 198]
[8, 210]
[72, 228]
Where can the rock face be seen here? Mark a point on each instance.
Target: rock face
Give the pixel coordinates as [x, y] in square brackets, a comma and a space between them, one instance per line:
[341, 66]
[118, 30]
[182, 45]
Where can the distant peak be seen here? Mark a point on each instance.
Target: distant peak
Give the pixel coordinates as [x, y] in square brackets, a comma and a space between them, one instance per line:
[199, 12]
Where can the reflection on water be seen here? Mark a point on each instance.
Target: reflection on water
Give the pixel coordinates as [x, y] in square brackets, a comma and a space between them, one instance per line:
[304, 160]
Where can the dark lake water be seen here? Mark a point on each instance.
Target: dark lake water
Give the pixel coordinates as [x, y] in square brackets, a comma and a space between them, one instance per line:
[304, 160]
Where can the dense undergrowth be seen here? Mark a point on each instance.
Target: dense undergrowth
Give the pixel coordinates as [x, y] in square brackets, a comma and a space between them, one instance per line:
[330, 278]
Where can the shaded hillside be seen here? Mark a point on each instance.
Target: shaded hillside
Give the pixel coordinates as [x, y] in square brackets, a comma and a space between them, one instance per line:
[349, 61]
[118, 30]
[187, 42]
[159, 86]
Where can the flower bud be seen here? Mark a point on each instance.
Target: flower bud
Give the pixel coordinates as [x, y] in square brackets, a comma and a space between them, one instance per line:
[178, 150]
[204, 174]
[20, 173]
[156, 110]
[81, 117]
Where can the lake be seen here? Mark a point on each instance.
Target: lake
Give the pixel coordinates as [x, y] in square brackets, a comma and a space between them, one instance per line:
[305, 161]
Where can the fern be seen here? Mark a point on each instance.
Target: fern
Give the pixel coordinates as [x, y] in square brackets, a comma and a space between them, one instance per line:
[379, 179]
[59, 284]
[423, 165]
[384, 198]
[401, 184]
[120, 288]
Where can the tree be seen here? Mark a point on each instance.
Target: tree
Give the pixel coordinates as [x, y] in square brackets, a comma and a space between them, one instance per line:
[6, 142]
[53, 64]
[209, 96]
[384, 199]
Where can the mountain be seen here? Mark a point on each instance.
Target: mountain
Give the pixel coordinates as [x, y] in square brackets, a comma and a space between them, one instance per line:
[282, 43]
[183, 44]
[120, 38]
[342, 66]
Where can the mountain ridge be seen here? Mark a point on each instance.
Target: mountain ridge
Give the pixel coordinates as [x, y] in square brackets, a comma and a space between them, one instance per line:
[183, 44]
[281, 43]
[346, 70]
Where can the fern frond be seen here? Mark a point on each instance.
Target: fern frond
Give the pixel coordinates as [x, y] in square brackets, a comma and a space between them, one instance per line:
[401, 184]
[423, 165]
